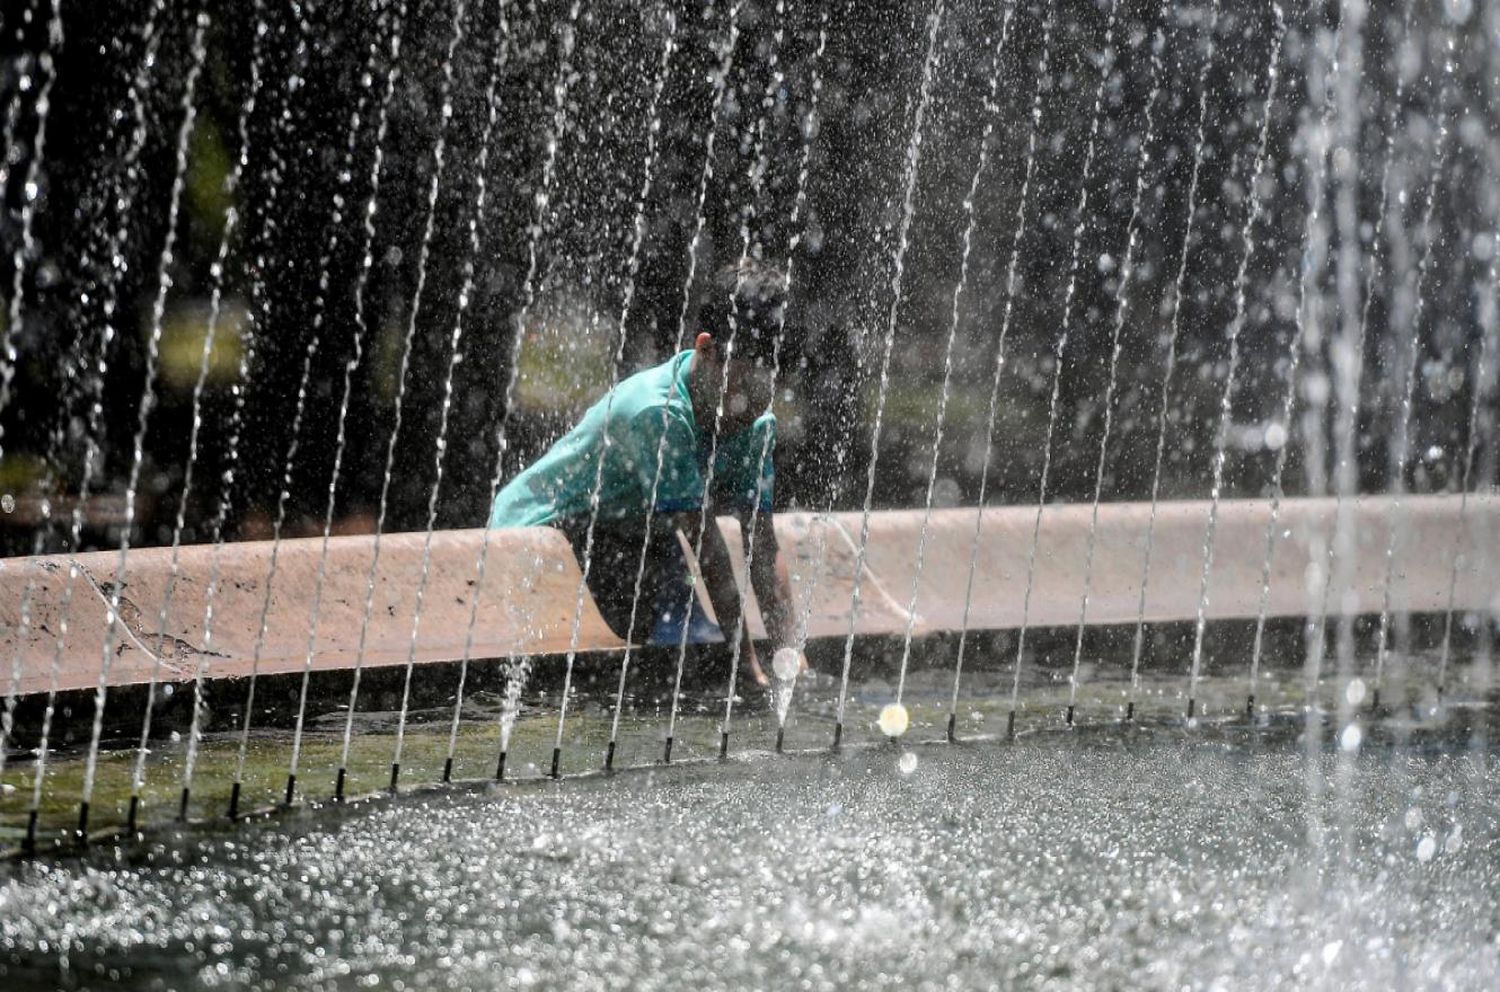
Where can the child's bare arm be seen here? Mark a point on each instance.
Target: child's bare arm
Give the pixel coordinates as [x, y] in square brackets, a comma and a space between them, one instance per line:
[718, 576]
[769, 579]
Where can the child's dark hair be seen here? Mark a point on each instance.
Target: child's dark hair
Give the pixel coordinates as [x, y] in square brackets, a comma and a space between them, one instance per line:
[746, 306]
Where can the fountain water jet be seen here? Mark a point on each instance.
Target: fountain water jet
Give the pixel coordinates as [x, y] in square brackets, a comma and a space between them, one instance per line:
[1174, 331]
[261, 302]
[757, 170]
[361, 331]
[1127, 272]
[143, 413]
[184, 132]
[632, 270]
[476, 216]
[908, 209]
[439, 164]
[1401, 440]
[720, 82]
[994, 402]
[958, 291]
[1059, 357]
[14, 311]
[351, 143]
[783, 688]
[1226, 400]
[236, 420]
[561, 84]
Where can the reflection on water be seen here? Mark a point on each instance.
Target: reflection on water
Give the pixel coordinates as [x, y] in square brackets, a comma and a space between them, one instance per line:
[1106, 858]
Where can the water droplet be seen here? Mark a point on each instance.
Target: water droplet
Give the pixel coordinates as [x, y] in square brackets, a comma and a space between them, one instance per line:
[894, 720]
[1350, 739]
[8, 503]
[1426, 848]
[1275, 436]
[1459, 10]
[1354, 692]
[908, 763]
[786, 663]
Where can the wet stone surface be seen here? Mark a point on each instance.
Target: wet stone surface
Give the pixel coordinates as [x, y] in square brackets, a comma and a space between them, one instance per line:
[1106, 858]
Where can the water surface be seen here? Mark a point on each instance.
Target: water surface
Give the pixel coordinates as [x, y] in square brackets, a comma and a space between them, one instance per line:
[1145, 858]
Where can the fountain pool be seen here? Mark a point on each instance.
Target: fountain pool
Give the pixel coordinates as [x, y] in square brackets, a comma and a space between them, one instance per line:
[1069, 859]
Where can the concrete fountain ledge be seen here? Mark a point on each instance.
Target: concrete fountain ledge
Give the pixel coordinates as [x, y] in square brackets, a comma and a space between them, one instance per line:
[526, 604]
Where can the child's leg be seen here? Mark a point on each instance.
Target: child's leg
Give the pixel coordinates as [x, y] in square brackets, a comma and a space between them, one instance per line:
[614, 560]
[677, 602]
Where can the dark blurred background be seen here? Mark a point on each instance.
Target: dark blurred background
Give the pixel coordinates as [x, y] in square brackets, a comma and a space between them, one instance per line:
[297, 93]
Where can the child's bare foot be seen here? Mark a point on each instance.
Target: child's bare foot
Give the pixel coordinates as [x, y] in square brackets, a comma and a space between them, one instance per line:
[756, 674]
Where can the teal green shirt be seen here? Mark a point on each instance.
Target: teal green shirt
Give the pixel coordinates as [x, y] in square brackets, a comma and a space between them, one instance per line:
[624, 429]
